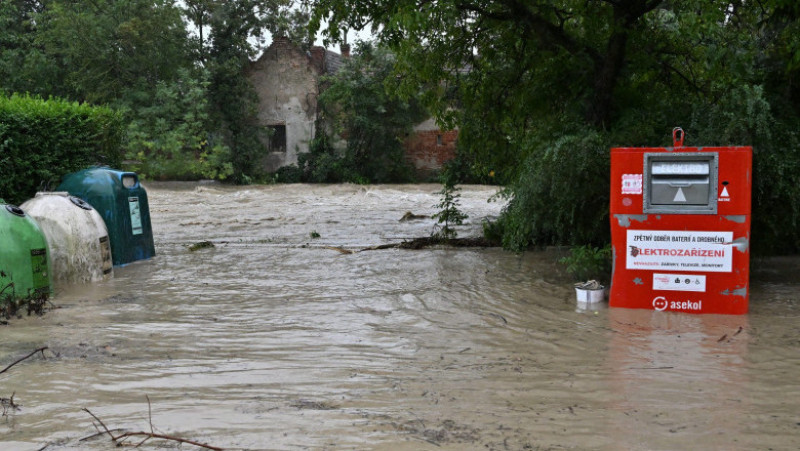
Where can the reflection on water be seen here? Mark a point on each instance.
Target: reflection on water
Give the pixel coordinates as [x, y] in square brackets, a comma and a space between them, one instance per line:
[683, 374]
[273, 340]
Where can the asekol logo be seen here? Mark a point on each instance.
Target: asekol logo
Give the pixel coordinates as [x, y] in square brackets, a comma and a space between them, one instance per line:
[634, 251]
[660, 303]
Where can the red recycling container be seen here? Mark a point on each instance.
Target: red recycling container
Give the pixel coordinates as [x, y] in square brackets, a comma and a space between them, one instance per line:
[680, 228]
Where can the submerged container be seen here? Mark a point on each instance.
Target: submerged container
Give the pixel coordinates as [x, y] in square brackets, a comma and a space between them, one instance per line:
[121, 201]
[24, 270]
[80, 250]
[590, 292]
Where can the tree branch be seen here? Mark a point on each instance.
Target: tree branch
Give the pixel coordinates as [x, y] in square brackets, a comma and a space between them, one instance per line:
[27, 356]
[521, 13]
[120, 439]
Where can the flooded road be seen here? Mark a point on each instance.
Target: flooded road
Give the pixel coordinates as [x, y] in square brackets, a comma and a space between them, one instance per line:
[273, 339]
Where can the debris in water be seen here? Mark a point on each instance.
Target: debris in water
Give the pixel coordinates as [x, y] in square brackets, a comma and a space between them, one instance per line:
[8, 404]
[412, 217]
[340, 250]
[314, 405]
[423, 242]
[589, 285]
[201, 245]
[42, 349]
[123, 439]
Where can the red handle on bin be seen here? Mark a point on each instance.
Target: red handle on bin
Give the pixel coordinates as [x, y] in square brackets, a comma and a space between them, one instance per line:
[677, 137]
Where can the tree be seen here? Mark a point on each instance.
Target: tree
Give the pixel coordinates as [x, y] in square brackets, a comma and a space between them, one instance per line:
[235, 30]
[524, 79]
[135, 57]
[112, 52]
[138, 57]
[23, 67]
[359, 101]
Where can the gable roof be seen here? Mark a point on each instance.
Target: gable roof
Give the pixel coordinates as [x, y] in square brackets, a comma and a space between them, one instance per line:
[324, 61]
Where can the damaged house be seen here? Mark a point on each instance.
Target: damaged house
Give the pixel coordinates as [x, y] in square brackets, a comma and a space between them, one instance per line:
[288, 81]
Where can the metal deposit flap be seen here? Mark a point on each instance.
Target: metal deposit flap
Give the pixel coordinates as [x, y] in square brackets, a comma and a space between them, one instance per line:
[680, 184]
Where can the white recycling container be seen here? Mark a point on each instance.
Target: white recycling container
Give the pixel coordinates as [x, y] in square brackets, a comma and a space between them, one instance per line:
[80, 250]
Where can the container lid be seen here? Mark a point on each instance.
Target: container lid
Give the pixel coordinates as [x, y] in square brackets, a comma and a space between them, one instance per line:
[52, 193]
[80, 203]
[75, 200]
[13, 209]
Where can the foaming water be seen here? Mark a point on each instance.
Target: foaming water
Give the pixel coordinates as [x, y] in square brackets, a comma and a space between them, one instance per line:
[274, 339]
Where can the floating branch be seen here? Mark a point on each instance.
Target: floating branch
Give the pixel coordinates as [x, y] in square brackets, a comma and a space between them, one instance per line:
[423, 242]
[8, 403]
[42, 349]
[121, 439]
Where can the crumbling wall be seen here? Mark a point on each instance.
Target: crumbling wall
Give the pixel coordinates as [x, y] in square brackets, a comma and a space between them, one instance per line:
[286, 81]
[428, 147]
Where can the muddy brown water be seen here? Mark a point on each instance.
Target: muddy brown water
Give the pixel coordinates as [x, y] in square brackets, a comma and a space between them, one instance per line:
[272, 339]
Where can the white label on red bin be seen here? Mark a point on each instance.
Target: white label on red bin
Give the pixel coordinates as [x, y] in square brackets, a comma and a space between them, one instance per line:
[679, 250]
[679, 282]
[631, 183]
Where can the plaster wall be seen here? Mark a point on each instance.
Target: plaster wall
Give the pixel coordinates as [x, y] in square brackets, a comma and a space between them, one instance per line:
[287, 86]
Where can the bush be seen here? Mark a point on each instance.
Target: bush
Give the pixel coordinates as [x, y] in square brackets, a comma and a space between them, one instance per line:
[743, 116]
[323, 164]
[169, 139]
[561, 196]
[41, 141]
[589, 263]
[288, 174]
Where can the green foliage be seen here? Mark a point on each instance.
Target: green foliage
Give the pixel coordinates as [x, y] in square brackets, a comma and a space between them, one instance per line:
[168, 138]
[288, 174]
[464, 168]
[743, 116]
[111, 52]
[188, 103]
[449, 214]
[589, 263]
[324, 164]
[21, 61]
[562, 194]
[40, 141]
[359, 102]
[231, 96]
[540, 90]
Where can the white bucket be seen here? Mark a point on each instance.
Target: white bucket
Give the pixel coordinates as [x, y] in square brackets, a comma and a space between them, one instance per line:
[80, 250]
[590, 296]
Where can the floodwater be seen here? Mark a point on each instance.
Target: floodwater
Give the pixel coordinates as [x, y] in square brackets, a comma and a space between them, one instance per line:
[273, 339]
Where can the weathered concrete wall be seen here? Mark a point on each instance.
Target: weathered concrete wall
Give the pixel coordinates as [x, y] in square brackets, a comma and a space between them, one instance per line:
[286, 81]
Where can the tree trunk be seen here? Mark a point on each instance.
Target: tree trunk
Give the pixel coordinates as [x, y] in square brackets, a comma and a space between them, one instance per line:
[607, 72]
[608, 68]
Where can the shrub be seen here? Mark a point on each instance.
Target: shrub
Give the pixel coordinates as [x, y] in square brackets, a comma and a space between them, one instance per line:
[589, 263]
[561, 196]
[169, 140]
[42, 140]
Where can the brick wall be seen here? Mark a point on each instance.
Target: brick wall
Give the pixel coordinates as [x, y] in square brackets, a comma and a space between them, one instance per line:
[428, 150]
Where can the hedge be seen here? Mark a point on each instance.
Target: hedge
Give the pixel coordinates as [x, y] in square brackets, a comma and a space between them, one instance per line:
[43, 140]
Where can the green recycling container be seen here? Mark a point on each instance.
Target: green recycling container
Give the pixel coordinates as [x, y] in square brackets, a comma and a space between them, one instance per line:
[122, 203]
[24, 262]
